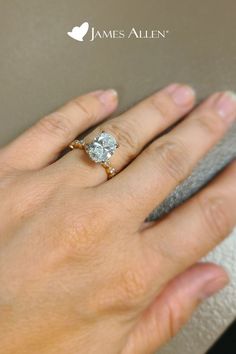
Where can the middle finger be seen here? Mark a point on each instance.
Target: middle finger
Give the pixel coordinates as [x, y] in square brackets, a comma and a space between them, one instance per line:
[162, 166]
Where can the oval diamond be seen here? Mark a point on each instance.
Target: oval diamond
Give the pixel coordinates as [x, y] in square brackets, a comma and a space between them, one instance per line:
[102, 147]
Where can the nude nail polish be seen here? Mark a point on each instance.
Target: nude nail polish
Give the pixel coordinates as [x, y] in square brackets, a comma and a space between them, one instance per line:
[108, 96]
[183, 95]
[96, 93]
[213, 287]
[226, 106]
[171, 88]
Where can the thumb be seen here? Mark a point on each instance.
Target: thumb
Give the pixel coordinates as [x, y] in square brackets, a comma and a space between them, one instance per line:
[174, 306]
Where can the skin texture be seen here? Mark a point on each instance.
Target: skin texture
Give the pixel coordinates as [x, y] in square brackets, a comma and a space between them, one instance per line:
[80, 271]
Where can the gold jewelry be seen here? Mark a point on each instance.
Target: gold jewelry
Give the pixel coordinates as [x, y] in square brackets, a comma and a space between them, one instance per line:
[99, 150]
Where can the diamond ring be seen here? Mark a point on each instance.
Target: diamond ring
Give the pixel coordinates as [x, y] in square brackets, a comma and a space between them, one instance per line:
[99, 150]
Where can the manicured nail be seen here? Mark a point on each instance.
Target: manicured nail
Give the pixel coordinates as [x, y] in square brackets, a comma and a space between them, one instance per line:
[214, 286]
[182, 94]
[108, 96]
[171, 88]
[96, 93]
[226, 106]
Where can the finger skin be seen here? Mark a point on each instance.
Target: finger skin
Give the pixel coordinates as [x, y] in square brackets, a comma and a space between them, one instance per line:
[41, 144]
[196, 227]
[171, 159]
[174, 307]
[136, 128]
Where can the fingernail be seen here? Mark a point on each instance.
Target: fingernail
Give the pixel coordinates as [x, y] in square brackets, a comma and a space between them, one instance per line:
[171, 88]
[214, 286]
[96, 93]
[226, 106]
[108, 96]
[182, 94]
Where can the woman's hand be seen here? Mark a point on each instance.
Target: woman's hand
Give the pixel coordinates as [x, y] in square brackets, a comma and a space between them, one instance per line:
[80, 271]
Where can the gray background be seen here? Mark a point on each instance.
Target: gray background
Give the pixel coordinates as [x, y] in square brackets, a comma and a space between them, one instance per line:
[41, 68]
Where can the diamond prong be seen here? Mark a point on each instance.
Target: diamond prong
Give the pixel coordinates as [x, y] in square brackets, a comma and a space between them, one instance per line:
[77, 144]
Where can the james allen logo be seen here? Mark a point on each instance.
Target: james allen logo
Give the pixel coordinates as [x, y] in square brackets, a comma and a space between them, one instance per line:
[79, 32]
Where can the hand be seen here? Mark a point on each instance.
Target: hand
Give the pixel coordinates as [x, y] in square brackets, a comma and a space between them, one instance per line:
[80, 270]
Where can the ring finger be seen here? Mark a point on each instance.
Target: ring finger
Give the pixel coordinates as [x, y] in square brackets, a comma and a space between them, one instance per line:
[133, 130]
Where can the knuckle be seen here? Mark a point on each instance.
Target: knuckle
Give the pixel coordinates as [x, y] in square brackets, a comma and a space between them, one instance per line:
[162, 105]
[210, 123]
[79, 238]
[215, 216]
[55, 124]
[174, 158]
[133, 285]
[125, 134]
[124, 291]
[82, 109]
[176, 316]
[82, 232]
[31, 201]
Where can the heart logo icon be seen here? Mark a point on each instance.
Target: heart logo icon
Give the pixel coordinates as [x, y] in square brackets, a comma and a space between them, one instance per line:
[79, 32]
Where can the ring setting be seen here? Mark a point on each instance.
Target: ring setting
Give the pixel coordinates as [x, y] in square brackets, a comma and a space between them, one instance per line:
[99, 150]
